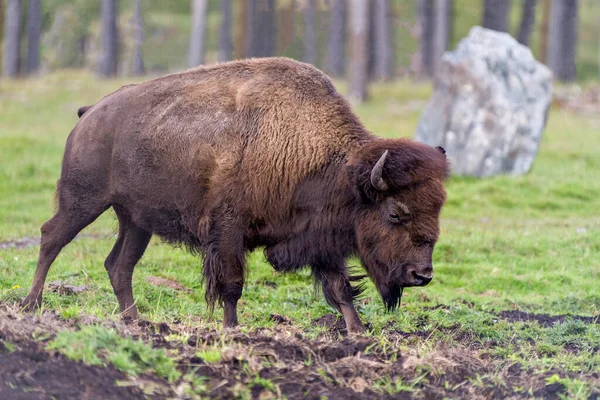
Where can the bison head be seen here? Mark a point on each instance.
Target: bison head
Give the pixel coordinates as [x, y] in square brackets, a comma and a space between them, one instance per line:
[399, 186]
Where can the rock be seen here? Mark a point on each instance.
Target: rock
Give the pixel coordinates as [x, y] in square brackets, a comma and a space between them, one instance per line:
[489, 106]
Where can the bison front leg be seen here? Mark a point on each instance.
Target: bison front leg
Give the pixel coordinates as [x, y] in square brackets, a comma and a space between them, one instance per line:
[339, 294]
[224, 266]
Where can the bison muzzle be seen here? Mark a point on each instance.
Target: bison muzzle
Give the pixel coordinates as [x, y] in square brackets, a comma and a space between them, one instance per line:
[255, 153]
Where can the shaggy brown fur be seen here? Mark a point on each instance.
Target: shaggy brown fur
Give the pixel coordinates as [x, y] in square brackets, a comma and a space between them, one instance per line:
[246, 154]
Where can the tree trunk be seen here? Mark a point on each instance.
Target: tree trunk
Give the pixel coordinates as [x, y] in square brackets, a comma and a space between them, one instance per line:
[1, 28]
[241, 29]
[384, 37]
[137, 67]
[225, 39]
[426, 42]
[544, 32]
[562, 42]
[371, 46]
[286, 34]
[441, 32]
[495, 15]
[12, 38]
[336, 47]
[198, 32]
[527, 21]
[309, 14]
[250, 24]
[34, 28]
[264, 28]
[359, 51]
[110, 39]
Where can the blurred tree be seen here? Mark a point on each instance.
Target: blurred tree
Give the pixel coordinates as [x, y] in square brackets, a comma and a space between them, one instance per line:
[137, 63]
[249, 31]
[371, 40]
[335, 58]
[495, 15]
[435, 20]
[225, 39]
[1, 28]
[442, 10]
[264, 28]
[34, 29]
[309, 14]
[241, 29]
[543, 49]
[65, 42]
[358, 22]
[286, 25]
[110, 39]
[527, 21]
[426, 40]
[196, 56]
[562, 35]
[384, 40]
[12, 38]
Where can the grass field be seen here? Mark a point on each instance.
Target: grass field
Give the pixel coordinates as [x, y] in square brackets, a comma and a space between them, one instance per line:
[512, 310]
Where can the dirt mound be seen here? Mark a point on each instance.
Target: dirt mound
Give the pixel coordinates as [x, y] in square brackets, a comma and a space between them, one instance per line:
[28, 371]
[265, 363]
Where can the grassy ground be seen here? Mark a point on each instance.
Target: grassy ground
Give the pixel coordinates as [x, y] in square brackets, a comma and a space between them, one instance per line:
[511, 251]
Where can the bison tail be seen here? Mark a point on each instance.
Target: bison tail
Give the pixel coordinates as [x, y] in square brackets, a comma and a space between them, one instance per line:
[82, 110]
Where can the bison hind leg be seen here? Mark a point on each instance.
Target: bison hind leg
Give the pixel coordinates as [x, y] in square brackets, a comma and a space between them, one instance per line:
[59, 231]
[120, 263]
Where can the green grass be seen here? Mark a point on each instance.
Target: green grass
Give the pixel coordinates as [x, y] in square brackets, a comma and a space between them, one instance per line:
[530, 243]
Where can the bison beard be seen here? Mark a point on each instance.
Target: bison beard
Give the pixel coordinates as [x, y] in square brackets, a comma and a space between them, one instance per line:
[254, 153]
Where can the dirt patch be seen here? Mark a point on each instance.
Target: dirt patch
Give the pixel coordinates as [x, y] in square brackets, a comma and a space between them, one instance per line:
[35, 241]
[333, 323]
[265, 363]
[64, 288]
[578, 100]
[20, 243]
[28, 371]
[545, 320]
[168, 283]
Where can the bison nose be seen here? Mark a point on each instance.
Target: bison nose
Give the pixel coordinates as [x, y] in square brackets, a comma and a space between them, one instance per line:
[421, 280]
[419, 275]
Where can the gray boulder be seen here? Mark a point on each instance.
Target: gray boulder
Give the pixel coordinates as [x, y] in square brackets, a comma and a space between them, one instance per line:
[489, 106]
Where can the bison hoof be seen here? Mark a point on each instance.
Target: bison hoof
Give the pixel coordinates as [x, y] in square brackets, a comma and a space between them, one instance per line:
[30, 304]
[356, 330]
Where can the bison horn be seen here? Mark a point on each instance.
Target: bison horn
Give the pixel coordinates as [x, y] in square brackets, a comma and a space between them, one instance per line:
[377, 172]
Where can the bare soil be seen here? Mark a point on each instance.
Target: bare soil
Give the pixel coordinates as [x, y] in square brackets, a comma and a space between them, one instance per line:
[28, 371]
[35, 241]
[545, 320]
[335, 365]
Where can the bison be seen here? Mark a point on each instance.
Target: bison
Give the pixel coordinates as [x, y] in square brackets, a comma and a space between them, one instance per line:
[228, 158]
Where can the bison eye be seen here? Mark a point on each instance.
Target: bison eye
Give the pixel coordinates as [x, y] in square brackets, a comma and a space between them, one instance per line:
[424, 242]
[397, 218]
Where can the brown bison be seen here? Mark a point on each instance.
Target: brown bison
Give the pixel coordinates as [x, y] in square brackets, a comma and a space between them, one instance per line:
[246, 154]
